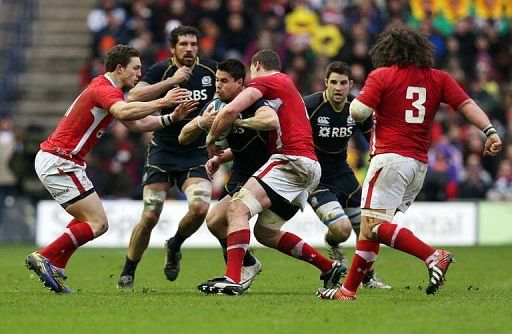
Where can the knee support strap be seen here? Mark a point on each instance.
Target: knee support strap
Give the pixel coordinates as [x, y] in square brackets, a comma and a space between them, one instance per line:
[199, 192]
[375, 218]
[153, 200]
[330, 212]
[250, 201]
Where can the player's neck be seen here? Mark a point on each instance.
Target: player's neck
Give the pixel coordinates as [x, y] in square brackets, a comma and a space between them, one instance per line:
[114, 78]
[337, 106]
[267, 72]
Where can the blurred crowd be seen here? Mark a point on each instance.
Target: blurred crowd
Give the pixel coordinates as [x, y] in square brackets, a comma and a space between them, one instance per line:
[473, 40]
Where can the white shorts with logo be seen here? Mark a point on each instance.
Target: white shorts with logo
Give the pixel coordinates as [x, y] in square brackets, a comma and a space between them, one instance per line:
[392, 182]
[64, 179]
[292, 177]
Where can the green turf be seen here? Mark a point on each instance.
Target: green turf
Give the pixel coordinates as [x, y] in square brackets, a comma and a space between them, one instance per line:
[477, 297]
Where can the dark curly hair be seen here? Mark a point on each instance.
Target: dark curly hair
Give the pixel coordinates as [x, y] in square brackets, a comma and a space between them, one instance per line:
[119, 55]
[182, 31]
[401, 45]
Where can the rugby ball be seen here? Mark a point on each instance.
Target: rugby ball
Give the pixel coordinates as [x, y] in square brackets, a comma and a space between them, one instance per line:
[217, 106]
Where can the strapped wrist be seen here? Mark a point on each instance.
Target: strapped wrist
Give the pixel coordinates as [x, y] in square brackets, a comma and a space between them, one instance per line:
[166, 120]
[489, 130]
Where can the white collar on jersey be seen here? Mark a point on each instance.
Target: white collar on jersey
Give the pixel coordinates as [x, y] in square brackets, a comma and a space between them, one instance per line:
[110, 79]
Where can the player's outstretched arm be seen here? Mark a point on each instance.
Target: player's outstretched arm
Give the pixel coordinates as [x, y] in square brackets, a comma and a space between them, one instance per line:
[264, 119]
[143, 91]
[229, 113]
[152, 123]
[196, 126]
[476, 116]
[130, 111]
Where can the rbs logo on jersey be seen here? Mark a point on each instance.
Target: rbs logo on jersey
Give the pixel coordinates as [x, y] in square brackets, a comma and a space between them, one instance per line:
[334, 132]
[198, 94]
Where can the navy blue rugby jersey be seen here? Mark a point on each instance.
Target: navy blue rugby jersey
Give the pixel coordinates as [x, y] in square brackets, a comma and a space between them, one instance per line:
[249, 147]
[201, 86]
[332, 131]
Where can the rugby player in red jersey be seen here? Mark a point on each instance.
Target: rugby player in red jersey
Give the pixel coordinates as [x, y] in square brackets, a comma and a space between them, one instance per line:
[403, 93]
[60, 162]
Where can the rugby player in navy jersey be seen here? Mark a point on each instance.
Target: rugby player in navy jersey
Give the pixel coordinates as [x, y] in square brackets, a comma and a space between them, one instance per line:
[337, 198]
[168, 162]
[248, 149]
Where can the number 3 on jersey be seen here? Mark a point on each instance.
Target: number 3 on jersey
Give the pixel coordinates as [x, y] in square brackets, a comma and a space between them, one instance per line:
[419, 96]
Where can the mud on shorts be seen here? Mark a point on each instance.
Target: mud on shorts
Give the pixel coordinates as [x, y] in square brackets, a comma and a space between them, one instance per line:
[66, 180]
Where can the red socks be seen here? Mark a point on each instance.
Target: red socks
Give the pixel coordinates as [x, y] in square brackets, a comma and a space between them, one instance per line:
[366, 254]
[238, 243]
[292, 245]
[403, 239]
[61, 249]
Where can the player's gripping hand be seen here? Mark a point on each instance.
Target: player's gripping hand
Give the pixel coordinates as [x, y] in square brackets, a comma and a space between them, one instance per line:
[492, 145]
[206, 119]
[183, 109]
[182, 75]
[176, 96]
[212, 166]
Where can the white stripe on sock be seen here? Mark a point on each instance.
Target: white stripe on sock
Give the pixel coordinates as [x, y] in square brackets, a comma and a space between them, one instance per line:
[244, 246]
[70, 234]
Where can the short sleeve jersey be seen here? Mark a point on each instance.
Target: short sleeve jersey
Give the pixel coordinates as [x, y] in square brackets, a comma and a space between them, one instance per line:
[405, 100]
[293, 136]
[201, 87]
[331, 132]
[249, 147]
[85, 121]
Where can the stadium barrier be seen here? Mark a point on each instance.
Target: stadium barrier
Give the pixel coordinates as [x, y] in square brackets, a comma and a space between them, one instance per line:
[440, 224]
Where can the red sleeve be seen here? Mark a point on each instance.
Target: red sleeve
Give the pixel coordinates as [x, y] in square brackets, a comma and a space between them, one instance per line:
[106, 96]
[259, 84]
[371, 92]
[452, 93]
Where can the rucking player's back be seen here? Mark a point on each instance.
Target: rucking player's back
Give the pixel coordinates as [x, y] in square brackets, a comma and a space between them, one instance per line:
[294, 136]
[405, 100]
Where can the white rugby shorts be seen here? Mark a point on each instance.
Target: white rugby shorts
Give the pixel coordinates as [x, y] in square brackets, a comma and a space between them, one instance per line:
[392, 182]
[292, 177]
[64, 179]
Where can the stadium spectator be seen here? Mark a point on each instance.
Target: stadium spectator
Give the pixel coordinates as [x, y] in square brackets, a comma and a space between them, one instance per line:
[475, 181]
[404, 92]
[485, 41]
[501, 190]
[8, 146]
[60, 160]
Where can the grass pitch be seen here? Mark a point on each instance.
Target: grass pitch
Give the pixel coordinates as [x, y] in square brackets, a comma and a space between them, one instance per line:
[477, 297]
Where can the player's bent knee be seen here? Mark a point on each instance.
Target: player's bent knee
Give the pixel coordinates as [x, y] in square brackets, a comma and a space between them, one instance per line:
[153, 200]
[268, 234]
[270, 221]
[199, 209]
[199, 194]
[98, 228]
[341, 229]
[149, 220]
[249, 200]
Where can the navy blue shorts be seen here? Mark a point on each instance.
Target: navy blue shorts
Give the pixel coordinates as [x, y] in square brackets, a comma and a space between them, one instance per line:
[165, 166]
[343, 188]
